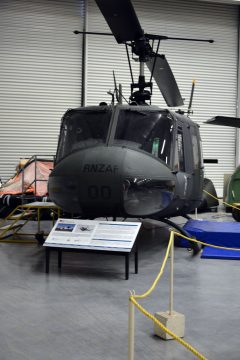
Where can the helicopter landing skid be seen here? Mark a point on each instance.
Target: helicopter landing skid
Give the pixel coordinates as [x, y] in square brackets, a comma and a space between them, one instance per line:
[194, 247]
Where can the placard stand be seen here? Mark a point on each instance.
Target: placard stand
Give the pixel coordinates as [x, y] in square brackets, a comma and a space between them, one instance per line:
[105, 237]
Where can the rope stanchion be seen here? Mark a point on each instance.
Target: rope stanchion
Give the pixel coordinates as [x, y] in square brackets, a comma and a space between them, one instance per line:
[171, 278]
[171, 333]
[133, 298]
[131, 325]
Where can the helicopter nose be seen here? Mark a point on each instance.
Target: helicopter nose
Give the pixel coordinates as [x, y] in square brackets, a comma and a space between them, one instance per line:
[88, 182]
[111, 181]
[148, 185]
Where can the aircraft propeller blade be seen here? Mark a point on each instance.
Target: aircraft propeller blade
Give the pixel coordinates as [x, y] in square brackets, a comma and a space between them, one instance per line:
[121, 18]
[165, 80]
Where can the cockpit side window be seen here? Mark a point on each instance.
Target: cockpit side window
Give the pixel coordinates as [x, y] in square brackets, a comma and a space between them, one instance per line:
[180, 151]
[150, 131]
[196, 148]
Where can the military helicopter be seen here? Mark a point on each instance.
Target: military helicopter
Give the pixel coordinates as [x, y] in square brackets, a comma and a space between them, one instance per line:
[233, 186]
[134, 160]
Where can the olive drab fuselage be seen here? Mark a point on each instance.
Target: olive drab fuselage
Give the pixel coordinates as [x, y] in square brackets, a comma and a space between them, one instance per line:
[126, 160]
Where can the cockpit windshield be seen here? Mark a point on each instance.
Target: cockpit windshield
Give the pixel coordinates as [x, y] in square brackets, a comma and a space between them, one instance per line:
[81, 129]
[151, 131]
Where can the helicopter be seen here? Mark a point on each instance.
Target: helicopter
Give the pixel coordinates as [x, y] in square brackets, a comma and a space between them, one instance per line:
[233, 185]
[135, 160]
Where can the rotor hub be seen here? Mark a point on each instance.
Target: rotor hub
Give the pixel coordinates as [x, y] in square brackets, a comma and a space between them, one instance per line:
[142, 49]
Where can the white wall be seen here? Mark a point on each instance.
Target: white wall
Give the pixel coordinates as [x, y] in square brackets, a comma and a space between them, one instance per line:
[40, 72]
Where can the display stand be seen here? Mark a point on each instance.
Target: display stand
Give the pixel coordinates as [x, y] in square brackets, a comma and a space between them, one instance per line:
[102, 237]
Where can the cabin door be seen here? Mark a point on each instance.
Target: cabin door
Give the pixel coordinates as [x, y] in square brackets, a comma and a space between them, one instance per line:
[198, 174]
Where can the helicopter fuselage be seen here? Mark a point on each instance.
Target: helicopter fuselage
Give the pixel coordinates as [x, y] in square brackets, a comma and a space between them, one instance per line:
[127, 161]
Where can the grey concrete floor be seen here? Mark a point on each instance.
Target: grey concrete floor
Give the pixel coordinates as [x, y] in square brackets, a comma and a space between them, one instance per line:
[81, 313]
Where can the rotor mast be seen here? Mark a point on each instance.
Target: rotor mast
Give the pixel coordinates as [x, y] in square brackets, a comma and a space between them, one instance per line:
[143, 50]
[124, 24]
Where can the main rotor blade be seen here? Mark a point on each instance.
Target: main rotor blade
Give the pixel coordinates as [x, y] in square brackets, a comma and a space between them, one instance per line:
[225, 121]
[165, 80]
[121, 18]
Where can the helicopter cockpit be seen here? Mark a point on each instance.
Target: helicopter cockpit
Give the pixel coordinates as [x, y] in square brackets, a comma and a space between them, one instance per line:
[81, 129]
[147, 130]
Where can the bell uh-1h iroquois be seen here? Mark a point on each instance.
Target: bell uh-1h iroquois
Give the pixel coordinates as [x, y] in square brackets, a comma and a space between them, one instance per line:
[134, 160]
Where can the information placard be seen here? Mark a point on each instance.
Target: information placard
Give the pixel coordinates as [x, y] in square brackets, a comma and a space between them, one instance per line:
[93, 234]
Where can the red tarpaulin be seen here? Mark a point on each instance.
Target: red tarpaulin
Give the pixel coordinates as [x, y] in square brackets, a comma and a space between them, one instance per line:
[32, 179]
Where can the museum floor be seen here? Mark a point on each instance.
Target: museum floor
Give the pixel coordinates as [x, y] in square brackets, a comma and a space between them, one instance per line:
[82, 312]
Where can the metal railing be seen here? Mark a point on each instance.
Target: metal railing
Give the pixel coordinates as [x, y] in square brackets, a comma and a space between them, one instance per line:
[35, 159]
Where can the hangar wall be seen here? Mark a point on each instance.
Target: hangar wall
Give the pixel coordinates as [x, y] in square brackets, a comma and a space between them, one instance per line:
[213, 66]
[40, 72]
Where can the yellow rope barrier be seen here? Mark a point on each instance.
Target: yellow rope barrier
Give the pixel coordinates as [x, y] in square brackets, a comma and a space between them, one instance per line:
[206, 244]
[164, 328]
[150, 290]
[133, 298]
[225, 203]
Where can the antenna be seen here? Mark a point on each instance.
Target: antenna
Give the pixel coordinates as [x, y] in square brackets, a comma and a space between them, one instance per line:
[189, 111]
[115, 87]
[120, 93]
[112, 95]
